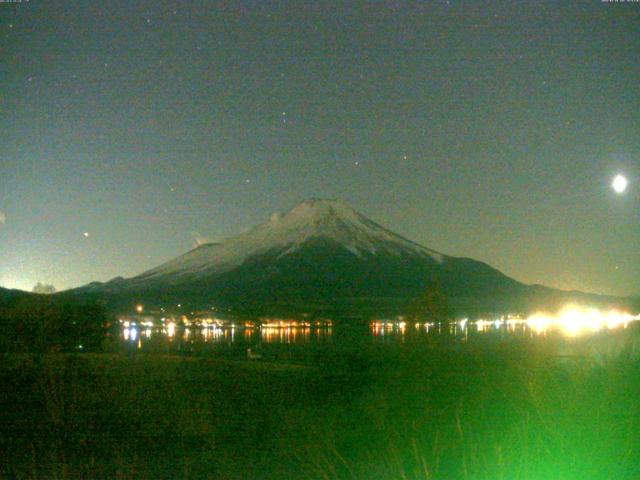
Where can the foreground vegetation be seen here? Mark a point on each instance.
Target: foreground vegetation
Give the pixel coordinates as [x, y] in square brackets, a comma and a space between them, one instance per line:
[436, 410]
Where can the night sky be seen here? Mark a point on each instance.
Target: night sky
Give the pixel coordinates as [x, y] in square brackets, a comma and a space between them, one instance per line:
[130, 131]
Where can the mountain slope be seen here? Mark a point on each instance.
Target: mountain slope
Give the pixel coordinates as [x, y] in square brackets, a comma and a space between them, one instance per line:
[7, 295]
[321, 255]
[282, 235]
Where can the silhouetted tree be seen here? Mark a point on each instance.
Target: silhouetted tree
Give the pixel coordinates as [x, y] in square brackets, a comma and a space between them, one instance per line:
[42, 288]
[42, 324]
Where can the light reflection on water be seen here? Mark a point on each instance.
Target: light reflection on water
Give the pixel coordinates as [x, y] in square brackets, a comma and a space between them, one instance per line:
[566, 339]
[573, 332]
[583, 338]
[240, 335]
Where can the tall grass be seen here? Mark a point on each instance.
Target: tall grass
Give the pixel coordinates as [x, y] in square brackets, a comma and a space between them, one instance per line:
[432, 411]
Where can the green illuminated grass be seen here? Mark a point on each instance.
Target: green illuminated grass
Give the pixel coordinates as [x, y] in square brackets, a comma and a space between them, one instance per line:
[505, 411]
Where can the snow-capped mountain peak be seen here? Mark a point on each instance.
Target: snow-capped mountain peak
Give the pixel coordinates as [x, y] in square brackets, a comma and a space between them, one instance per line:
[331, 220]
[317, 209]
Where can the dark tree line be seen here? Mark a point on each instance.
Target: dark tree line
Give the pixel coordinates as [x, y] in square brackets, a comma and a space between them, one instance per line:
[34, 323]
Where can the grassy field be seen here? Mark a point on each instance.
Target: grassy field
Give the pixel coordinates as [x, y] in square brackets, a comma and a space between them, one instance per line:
[505, 411]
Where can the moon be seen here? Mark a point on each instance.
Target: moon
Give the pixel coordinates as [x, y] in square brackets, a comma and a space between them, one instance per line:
[619, 183]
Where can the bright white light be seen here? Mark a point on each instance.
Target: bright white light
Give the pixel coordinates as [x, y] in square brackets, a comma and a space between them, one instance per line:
[573, 320]
[483, 325]
[539, 322]
[171, 329]
[619, 183]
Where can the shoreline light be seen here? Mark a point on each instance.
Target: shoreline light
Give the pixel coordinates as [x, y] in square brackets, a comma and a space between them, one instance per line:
[573, 320]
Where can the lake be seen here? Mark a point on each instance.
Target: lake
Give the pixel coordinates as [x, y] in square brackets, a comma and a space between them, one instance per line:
[298, 340]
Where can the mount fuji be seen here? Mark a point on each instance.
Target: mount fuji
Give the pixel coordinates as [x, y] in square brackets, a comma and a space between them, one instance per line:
[331, 221]
[321, 256]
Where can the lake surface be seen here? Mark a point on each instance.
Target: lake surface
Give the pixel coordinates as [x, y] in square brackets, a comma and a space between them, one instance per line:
[598, 341]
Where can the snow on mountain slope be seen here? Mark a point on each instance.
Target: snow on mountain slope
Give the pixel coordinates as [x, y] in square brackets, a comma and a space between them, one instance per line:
[317, 218]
